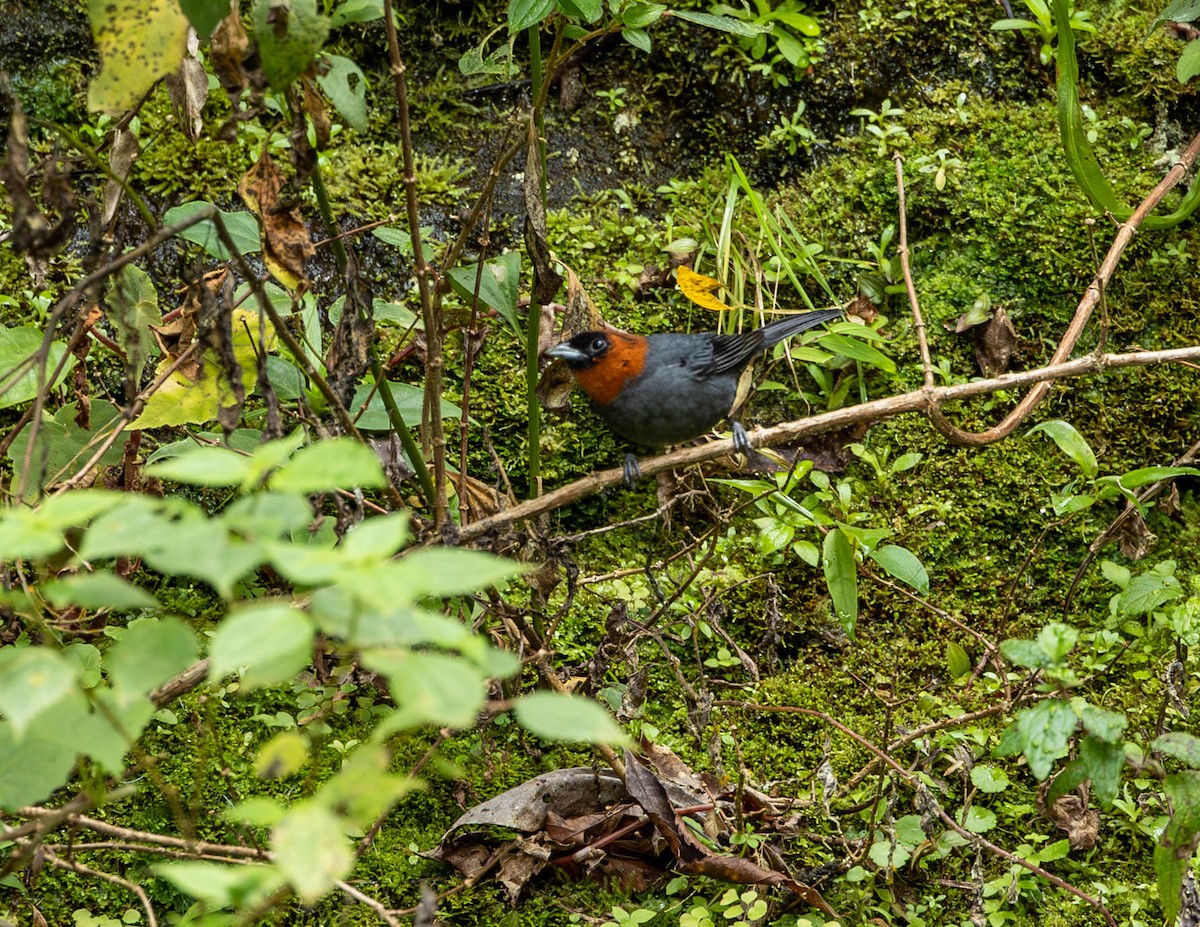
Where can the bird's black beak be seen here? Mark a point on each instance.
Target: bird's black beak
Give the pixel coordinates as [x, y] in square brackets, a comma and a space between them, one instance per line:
[565, 352]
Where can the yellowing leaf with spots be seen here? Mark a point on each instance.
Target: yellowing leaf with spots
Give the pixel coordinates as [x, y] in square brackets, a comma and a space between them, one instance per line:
[699, 288]
[139, 41]
[182, 400]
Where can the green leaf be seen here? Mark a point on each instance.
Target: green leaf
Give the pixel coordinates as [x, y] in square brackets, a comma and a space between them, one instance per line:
[267, 643]
[1071, 443]
[1042, 733]
[857, 350]
[241, 226]
[139, 41]
[219, 885]
[723, 23]
[638, 15]
[30, 769]
[886, 855]
[909, 830]
[203, 466]
[1180, 745]
[1057, 640]
[1106, 725]
[288, 38]
[1116, 574]
[957, 661]
[346, 87]
[340, 463]
[444, 571]
[1146, 592]
[587, 10]
[311, 850]
[204, 15]
[1173, 855]
[132, 307]
[1102, 762]
[410, 401]
[1025, 653]
[63, 446]
[1178, 11]
[101, 590]
[989, 779]
[902, 564]
[570, 718]
[376, 539]
[257, 811]
[1141, 477]
[1188, 65]
[841, 576]
[979, 820]
[638, 38]
[33, 679]
[32, 533]
[356, 11]
[524, 13]
[498, 285]
[283, 755]
[150, 652]
[18, 345]
[430, 688]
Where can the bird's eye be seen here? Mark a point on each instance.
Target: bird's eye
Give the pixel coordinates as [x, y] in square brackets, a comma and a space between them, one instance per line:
[599, 344]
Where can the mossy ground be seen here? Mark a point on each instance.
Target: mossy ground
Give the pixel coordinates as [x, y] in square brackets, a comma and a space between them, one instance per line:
[1009, 223]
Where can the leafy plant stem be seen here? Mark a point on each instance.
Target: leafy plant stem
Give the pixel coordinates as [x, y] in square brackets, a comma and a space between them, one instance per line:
[535, 317]
[432, 431]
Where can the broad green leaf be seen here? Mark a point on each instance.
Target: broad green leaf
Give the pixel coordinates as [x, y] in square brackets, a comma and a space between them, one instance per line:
[1028, 654]
[267, 643]
[1057, 640]
[241, 226]
[1042, 733]
[257, 811]
[410, 401]
[1106, 725]
[1178, 11]
[339, 463]
[909, 830]
[63, 446]
[182, 400]
[443, 571]
[203, 466]
[638, 38]
[886, 855]
[1173, 855]
[375, 539]
[1102, 762]
[570, 718]
[150, 652]
[857, 350]
[957, 661]
[204, 15]
[264, 515]
[841, 576]
[723, 23]
[1188, 65]
[356, 11]
[30, 769]
[87, 658]
[587, 10]
[979, 820]
[639, 15]
[346, 86]
[1116, 574]
[132, 307]
[1141, 477]
[283, 755]
[219, 885]
[363, 788]
[1071, 443]
[32, 680]
[32, 533]
[73, 727]
[1146, 592]
[1180, 745]
[98, 590]
[524, 13]
[902, 564]
[139, 41]
[311, 850]
[429, 688]
[990, 779]
[498, 285]
[288, 38]
[17, 345]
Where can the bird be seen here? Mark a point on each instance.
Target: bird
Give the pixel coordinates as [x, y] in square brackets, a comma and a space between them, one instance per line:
[664, 389]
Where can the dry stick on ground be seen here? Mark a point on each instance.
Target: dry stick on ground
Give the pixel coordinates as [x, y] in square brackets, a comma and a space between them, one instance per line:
[1093, 296]
[922, 400]
[914, 782]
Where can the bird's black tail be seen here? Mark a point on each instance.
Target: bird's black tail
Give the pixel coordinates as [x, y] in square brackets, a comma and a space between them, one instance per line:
[775, 332]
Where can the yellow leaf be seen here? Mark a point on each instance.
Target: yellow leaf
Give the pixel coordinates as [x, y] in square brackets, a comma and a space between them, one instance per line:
[139, 41]
[699, 288]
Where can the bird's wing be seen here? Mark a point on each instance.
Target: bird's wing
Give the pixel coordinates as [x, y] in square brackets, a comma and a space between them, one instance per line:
[729, 353]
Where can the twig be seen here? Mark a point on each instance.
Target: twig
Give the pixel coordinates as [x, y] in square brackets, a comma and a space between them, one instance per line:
[73, 866]
[1093, 296]
[902, 251]
[922, 400]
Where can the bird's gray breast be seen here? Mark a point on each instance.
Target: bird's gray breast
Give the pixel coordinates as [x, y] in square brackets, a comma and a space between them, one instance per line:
[671, 400]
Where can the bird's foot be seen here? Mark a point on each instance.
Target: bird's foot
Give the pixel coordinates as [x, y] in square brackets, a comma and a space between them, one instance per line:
[632, 471]
[741, 440]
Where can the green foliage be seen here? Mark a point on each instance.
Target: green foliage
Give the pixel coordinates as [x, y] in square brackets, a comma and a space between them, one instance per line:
[782, 42]
[1043, 25]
